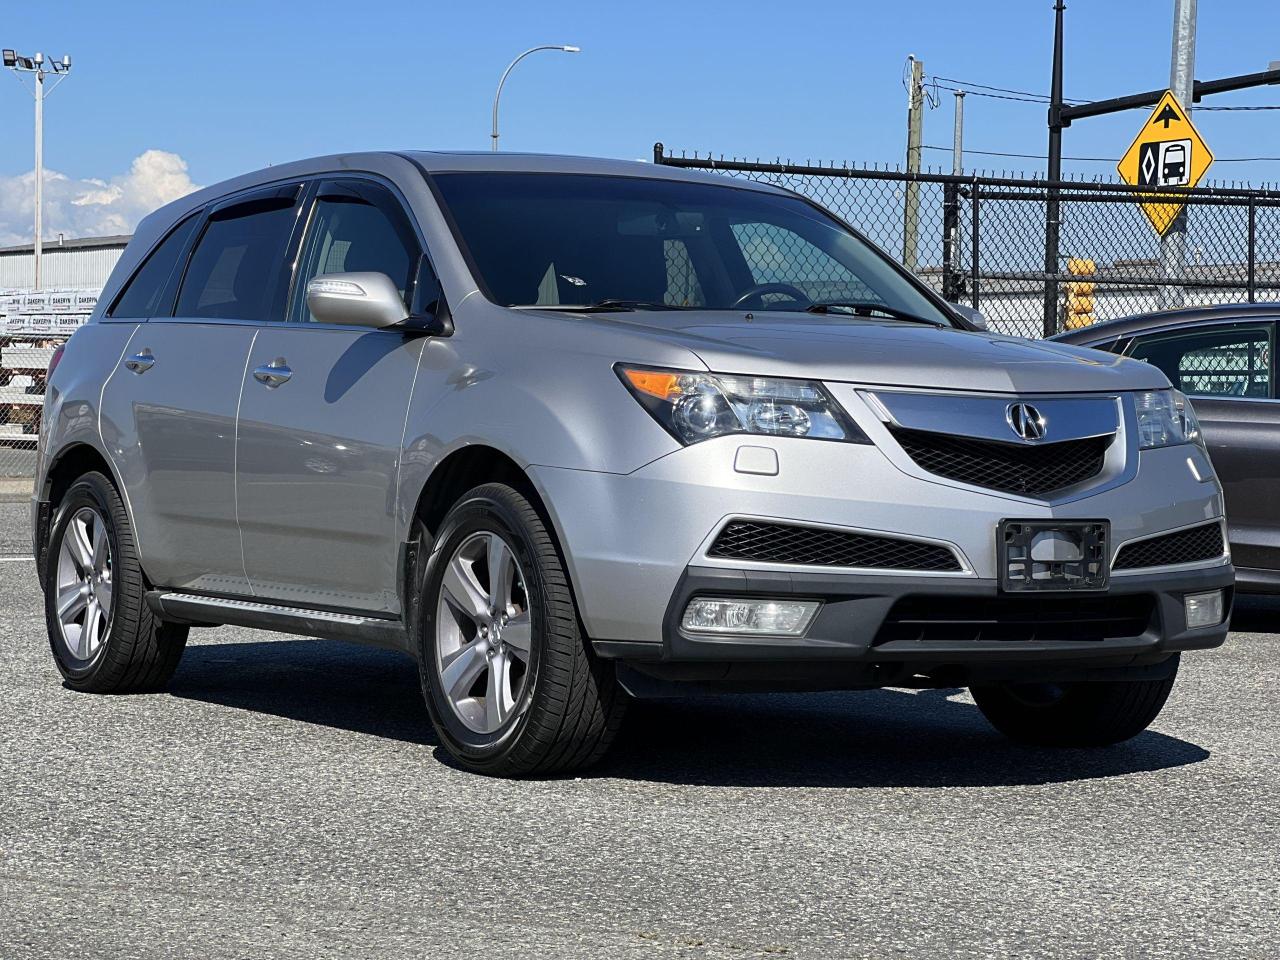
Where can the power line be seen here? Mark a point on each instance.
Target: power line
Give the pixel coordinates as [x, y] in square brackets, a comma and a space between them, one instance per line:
[1040, 156]
[1026, 96]
[1023, 156]
[978, 93]
[983, 86]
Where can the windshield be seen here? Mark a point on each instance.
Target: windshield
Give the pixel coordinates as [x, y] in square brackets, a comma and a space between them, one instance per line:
[573, 240]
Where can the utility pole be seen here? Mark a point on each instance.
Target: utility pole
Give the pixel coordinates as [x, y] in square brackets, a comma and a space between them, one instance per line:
[36, 66]
[1053, 207]
[957, 137]
[1182, 78]
[915, 131]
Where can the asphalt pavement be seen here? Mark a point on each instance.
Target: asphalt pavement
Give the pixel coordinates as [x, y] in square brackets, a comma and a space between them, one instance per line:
[287, 798]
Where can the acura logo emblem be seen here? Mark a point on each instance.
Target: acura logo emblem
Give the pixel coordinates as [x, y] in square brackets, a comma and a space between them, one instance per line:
[1026, 420]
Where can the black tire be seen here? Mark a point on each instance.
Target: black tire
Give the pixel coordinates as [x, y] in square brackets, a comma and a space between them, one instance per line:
[1080, 714]
[571, 706]
[140, 652]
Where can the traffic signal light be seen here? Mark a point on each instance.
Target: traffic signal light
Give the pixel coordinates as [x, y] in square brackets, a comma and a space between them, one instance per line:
[1080, 293]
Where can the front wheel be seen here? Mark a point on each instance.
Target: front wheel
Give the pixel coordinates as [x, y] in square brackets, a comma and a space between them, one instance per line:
[511, 684]
[1078, 714]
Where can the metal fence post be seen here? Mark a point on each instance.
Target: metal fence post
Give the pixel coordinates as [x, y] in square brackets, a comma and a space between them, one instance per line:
[973, 256]
[1252, 253]
[950, 247]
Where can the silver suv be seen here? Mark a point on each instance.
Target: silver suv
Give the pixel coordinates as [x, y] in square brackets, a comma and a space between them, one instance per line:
[569, 431]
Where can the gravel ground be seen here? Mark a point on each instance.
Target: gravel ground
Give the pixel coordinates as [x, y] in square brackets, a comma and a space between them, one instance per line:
[287, 799]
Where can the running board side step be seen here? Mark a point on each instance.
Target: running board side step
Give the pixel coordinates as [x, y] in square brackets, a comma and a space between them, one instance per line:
[190, 608]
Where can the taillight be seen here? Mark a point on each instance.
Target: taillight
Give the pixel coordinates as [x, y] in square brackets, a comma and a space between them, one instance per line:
[56, 358]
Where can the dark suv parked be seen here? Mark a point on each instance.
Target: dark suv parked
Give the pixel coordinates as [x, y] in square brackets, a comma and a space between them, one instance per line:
[1224, 358]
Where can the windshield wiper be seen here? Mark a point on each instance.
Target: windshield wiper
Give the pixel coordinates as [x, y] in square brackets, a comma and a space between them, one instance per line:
[866, 308]
[612, 304]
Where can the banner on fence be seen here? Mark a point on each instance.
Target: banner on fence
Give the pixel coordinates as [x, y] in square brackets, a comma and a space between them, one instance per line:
[46, 311]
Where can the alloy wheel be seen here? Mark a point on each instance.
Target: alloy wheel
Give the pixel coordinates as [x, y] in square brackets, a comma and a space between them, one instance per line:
[84, 584]
[484, 633]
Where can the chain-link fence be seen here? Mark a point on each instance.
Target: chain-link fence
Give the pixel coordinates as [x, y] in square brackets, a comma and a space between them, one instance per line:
[24, 360]
[33, 323]
[981, 240]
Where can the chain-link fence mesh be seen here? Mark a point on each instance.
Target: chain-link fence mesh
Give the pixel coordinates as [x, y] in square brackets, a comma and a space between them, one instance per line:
[24, 360]
[981, 240]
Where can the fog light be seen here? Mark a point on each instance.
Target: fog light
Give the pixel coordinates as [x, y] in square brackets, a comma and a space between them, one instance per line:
[1203, 609]
[785, 618]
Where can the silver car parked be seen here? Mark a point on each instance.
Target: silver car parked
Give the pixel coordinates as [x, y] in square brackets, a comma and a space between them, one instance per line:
[569, 431]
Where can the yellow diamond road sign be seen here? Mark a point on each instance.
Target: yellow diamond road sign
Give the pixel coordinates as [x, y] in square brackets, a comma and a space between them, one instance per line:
[1168, 152]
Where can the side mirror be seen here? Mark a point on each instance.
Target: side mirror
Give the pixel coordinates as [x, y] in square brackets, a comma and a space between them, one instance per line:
[356, 300]
[975, 317]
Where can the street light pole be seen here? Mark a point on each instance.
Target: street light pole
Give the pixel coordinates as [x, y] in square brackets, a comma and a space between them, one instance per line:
[37, 67]
[38, 241]
[563, 48]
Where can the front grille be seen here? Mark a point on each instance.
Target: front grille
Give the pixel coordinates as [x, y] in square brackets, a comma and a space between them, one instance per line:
[960, 620]
[1013, 467]
[1185, 546]
[787, 543]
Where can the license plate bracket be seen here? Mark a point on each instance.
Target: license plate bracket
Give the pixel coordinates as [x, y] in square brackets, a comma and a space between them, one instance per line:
[1064, 556]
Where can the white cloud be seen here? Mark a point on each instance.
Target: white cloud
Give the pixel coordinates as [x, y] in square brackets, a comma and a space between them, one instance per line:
[92, 207]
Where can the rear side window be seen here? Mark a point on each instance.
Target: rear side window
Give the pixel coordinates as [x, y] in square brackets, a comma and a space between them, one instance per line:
[141, 297]
[237, 266]
[1214, 362]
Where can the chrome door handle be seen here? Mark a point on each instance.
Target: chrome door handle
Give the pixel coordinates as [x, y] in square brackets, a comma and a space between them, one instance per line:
[141, 362]
[274, 373]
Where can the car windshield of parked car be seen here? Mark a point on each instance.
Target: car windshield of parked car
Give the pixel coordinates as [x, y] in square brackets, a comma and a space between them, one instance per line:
[605, 242]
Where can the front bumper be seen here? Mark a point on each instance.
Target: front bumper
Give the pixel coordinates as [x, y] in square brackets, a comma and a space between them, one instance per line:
[857, 642]
[637, 549]
[927, 623]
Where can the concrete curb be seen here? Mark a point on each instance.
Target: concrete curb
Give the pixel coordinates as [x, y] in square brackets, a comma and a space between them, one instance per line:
[20, 487]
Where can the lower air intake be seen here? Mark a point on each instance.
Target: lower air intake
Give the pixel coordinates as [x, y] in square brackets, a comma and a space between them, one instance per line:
[813, 546]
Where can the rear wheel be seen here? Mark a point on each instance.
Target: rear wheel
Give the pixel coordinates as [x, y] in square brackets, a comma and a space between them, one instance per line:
[104, 637]
[1079, 714]
[511, 684]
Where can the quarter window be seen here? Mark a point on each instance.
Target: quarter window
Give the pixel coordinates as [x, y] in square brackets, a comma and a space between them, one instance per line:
[239, 262]
[142, 295]
[356, 227]
[1231, 362]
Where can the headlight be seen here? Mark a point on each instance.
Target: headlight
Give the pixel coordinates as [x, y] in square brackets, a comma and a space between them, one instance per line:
[1165, 419]
[699, 406]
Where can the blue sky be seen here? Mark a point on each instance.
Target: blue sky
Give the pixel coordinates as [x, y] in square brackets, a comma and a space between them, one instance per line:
[234, 85]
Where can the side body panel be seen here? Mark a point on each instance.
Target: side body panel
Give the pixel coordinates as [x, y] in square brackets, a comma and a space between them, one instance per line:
[318, 463]
[539, 388]
[170, 431]
[73, 399]
[1243, 437]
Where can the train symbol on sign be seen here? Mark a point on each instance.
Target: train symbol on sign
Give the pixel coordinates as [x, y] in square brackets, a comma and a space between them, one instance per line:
[1165, 163]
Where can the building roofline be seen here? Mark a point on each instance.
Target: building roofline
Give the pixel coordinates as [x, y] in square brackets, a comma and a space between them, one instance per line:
[80, 243]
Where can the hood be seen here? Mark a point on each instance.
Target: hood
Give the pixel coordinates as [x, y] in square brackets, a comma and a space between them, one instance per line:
[891, 353]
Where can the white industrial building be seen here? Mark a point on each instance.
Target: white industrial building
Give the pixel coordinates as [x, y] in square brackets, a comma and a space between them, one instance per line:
[65, 264]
